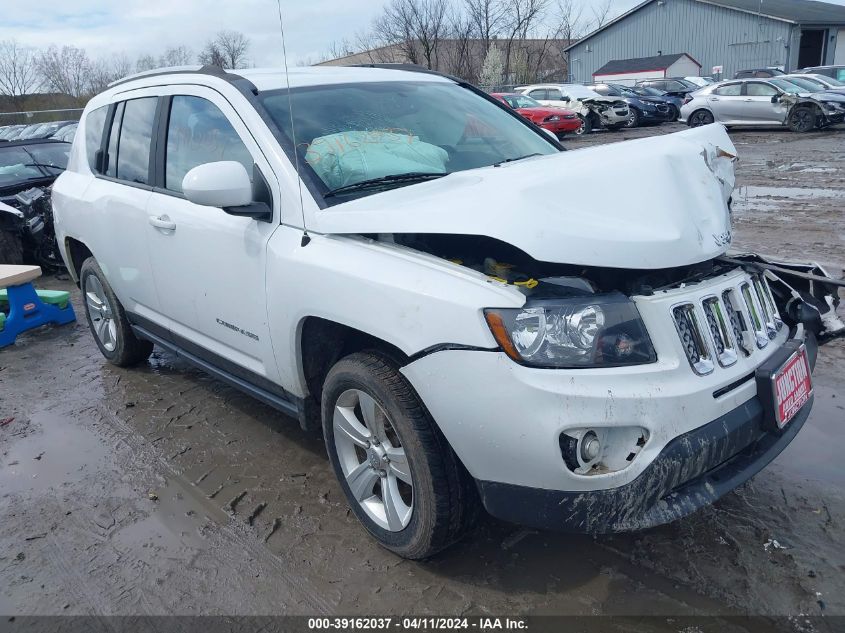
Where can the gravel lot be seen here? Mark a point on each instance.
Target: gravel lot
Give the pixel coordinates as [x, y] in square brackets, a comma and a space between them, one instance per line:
[157, 490]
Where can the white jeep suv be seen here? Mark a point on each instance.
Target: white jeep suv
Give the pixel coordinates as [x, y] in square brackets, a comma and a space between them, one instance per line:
[399, 260]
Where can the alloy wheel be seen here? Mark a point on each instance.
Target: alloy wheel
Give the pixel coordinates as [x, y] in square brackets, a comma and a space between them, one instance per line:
[100, 313]
[373, 460]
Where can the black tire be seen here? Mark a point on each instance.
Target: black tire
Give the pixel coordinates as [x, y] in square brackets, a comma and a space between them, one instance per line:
[802, 120]
[11, 248]
[699, 118]
[586, 126]
[445, 501]
[128, 348]
[633, 119]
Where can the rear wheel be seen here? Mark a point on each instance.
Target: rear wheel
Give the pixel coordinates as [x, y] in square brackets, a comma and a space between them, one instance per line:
[400, 477]
[107, 319]
[700, 117]
[802, 120]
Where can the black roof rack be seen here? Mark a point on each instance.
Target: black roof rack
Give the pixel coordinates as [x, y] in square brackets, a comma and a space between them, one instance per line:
[207, 69]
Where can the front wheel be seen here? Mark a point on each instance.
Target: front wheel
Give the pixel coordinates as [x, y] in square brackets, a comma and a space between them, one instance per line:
[398, 473]
[107, 319]
[802, 120]
[586, 126]
[674, 113]
[633, 119]
[699, 118]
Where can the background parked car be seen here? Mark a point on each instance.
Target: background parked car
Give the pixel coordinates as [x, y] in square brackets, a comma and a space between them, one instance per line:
[674, 87]
[557, 120]
[594, 109]
[828, 82]
[810, 83]
[837, 72]
[66, 133]
[675, 103]
[643, 111]
[763, 102]
[27, 169]
[700, 81]
[758, 73]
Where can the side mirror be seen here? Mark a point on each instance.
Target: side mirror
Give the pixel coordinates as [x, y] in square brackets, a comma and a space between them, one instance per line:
[567, 99]
[775, 98]
[225, 184]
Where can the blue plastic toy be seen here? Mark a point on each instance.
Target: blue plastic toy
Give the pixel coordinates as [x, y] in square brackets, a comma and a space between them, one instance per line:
[26, 309]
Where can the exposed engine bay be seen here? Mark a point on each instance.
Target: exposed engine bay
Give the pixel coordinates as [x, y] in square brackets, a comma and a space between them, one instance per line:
[26, 230]
[805, 293]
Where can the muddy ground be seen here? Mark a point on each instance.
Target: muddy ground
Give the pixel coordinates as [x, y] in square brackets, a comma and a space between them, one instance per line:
[157, 490]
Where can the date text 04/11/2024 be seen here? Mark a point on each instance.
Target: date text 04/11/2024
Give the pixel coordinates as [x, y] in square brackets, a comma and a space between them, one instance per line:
[418, 623]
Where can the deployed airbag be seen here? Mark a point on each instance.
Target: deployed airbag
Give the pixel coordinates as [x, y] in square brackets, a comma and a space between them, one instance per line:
[349, 157]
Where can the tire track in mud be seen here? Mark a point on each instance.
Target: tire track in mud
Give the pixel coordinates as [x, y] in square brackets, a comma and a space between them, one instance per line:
[301, 589]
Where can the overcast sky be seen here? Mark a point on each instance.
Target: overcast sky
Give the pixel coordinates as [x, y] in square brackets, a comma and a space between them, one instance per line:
[135, 27]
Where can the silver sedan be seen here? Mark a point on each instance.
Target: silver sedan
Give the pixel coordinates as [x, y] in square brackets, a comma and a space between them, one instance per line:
[763, 102]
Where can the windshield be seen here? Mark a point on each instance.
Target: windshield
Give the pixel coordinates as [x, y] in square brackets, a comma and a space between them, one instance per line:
[521, 101]
[352, 133]
[830, 81]
[581, 92]
[19, 164]
[788, 86]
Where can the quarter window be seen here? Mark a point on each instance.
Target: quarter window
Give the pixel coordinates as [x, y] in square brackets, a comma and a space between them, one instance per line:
[95, 121]
[197, 133]
[731, 90]
[136, 133]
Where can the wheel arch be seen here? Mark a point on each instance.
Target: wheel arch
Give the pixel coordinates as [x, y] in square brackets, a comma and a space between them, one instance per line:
[76, 252]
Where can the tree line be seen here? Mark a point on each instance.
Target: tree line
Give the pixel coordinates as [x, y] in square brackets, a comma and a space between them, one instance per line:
[522, 38]
[71, 75]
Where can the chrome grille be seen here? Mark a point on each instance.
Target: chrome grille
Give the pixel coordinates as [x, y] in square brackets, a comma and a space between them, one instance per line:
[718, 327]
[695, 347]
[720, 335]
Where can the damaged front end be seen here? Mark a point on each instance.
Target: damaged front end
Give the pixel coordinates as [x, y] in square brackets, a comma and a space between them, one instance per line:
[805, 113]
[609, 112]
[28, 236]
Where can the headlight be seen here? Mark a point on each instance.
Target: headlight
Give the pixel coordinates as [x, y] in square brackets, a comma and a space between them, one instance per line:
[554, 117]
[589, 331]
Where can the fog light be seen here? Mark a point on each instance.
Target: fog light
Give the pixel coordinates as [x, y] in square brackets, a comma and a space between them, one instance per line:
[590, 446]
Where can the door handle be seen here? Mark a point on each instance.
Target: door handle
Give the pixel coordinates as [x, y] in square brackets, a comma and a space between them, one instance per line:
[714, 98]
[162, 222]
[749, 100]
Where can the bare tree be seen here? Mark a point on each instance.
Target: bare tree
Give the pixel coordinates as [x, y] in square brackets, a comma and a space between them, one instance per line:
[522, 17]
[106, 70]
[417, 26]
[176, 56]
[601, 14]
[487, 17]
[18, 70]
[145, 62]
[228, 49]
[66, 70]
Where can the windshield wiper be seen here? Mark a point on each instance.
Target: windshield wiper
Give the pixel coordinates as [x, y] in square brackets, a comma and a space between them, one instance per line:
[374, 183]
[510, 160]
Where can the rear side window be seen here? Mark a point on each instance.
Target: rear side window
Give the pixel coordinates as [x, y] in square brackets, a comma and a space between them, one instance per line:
[731, 90]
[95, 121]
[198, 132]
[136, 133]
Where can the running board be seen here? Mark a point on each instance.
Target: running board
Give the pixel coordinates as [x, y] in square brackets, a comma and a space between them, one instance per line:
[271, 399]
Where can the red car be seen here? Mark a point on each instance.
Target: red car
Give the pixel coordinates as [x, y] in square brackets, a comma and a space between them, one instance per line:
[557, 120]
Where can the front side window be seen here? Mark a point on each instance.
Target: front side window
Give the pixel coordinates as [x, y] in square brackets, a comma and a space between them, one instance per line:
[136, 133]
[755, 89]
[554, 95]
[538, 94]
[197, 133]
[95, 122]
[351, 133]
[731, 90]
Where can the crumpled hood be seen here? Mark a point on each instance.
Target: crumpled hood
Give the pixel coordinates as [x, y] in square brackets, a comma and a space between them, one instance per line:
[650, 203]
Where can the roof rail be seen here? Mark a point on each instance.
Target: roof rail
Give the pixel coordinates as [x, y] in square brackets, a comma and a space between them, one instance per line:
[207, 69]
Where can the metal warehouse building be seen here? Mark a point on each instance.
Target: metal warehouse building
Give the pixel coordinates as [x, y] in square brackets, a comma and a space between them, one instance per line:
[733, 34]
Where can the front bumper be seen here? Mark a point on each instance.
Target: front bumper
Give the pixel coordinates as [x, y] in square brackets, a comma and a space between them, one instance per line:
[693, 470]
[562, 126]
